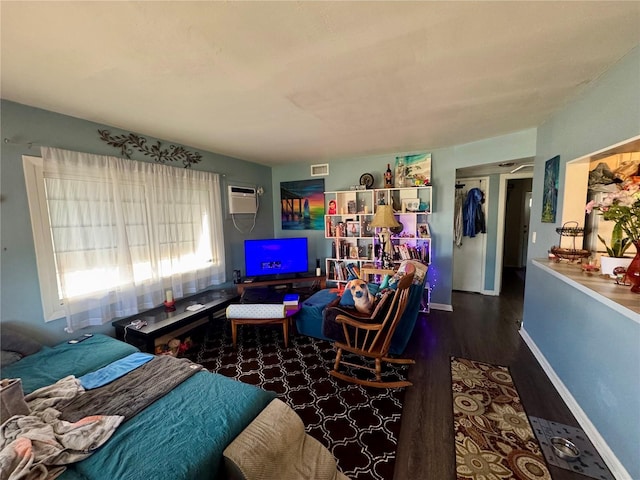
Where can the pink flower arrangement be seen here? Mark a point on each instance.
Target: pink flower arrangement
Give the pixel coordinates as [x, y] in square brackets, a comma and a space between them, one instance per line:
[622, 207]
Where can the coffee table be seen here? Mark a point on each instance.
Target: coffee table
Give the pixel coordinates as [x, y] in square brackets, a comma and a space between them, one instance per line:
[290, 311]
[160, 321]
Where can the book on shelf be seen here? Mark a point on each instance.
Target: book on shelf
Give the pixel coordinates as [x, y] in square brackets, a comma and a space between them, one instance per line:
[340, 271]
[410, 252]
[352, 270]
[291, 299]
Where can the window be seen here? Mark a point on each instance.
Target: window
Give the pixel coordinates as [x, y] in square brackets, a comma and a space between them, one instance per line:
[112, 235]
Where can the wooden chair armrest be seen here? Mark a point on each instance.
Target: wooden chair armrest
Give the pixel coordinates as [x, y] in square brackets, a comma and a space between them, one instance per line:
[357, 323]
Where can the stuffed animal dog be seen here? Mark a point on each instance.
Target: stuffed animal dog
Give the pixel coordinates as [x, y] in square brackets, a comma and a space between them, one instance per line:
[362, 298]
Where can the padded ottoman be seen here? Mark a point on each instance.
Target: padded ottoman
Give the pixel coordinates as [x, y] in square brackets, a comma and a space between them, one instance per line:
[309, 318]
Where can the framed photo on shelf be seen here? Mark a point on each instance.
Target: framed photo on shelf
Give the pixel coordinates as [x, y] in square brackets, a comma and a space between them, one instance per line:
[333, 209]
[423, 230]
[367, 229]
[353, 251]
[353, 229]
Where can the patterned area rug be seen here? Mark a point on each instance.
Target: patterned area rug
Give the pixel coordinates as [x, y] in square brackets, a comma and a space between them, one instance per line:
[493, 437]
[359, 425]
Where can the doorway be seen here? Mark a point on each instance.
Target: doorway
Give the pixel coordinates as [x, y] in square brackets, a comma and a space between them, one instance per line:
[516, 220]
[470, 253]
[514, 210]
[485, 261]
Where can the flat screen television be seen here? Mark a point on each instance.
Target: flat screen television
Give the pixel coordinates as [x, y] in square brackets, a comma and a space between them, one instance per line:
[276, 257]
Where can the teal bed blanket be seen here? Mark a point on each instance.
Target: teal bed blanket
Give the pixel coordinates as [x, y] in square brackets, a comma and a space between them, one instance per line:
[181, 436]
[53, 363]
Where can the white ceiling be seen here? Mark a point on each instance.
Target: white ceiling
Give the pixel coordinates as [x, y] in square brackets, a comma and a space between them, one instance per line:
[281, 82]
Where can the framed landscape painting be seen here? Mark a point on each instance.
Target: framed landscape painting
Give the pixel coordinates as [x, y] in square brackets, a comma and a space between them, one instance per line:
[550, 191]
[302, 205]
[412, 170]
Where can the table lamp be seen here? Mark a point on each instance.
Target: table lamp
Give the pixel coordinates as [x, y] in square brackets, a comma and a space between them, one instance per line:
[384, 220]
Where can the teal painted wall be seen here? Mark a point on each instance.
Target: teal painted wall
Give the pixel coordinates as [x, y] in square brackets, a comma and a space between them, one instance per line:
[492, 233]
[594, 350]
[444, 163]
[20, 292]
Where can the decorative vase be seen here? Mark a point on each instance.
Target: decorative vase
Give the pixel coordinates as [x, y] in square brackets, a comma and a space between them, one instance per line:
[607, 264]
[633, 271]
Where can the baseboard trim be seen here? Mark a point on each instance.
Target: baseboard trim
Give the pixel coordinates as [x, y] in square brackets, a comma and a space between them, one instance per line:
[441, 306]
[600, 444]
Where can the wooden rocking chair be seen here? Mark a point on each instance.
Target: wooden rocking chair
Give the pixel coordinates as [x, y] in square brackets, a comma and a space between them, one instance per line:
[370, 338]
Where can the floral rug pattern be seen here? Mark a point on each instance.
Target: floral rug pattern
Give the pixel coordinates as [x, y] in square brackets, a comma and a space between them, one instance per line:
[493, 437]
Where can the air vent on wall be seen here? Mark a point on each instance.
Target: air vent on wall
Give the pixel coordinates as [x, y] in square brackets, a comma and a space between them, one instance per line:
[320, 170]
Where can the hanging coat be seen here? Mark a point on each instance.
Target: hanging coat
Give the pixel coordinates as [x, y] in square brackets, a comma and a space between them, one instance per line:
[472, 214]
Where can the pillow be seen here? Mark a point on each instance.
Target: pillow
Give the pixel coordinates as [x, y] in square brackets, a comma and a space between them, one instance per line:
[8, 357]
[403, 270]
[17, 342]
[347, 299]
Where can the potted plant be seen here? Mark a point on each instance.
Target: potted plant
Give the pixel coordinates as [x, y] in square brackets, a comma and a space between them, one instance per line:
[623, 207]
[615, 251]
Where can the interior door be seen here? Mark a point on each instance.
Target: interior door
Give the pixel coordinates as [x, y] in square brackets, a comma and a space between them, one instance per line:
[469, 259]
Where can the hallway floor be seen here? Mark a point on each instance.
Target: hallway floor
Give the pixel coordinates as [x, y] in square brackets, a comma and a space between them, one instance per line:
[483, 328]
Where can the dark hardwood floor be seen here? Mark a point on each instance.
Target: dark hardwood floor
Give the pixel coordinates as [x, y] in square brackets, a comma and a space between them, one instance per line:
[483, 328]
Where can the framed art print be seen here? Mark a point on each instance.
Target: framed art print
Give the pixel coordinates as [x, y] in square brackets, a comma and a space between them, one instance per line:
[302, 205]
[412, 170]
[550, 191]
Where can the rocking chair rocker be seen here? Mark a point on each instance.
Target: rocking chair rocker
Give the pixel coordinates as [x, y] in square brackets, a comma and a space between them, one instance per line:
[371, 337]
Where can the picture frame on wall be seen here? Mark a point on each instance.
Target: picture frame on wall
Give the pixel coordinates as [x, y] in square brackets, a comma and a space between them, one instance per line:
[412, 170]
[302, 205]
[550, 190]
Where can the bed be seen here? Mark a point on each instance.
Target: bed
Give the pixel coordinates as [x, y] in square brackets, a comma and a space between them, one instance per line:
[181, 435]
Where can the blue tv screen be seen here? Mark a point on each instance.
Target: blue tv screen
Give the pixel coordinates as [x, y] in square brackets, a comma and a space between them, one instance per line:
[275, 256]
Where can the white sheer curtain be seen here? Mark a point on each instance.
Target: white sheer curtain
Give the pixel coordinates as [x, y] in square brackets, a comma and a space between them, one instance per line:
[124, 232]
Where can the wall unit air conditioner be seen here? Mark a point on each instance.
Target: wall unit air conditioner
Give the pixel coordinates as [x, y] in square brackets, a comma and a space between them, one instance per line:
[242, 199]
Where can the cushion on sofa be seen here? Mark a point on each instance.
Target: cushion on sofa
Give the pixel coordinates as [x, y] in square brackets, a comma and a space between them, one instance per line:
[309, 318]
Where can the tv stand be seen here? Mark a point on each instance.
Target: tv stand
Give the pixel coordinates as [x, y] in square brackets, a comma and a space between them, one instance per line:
[285, 282]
